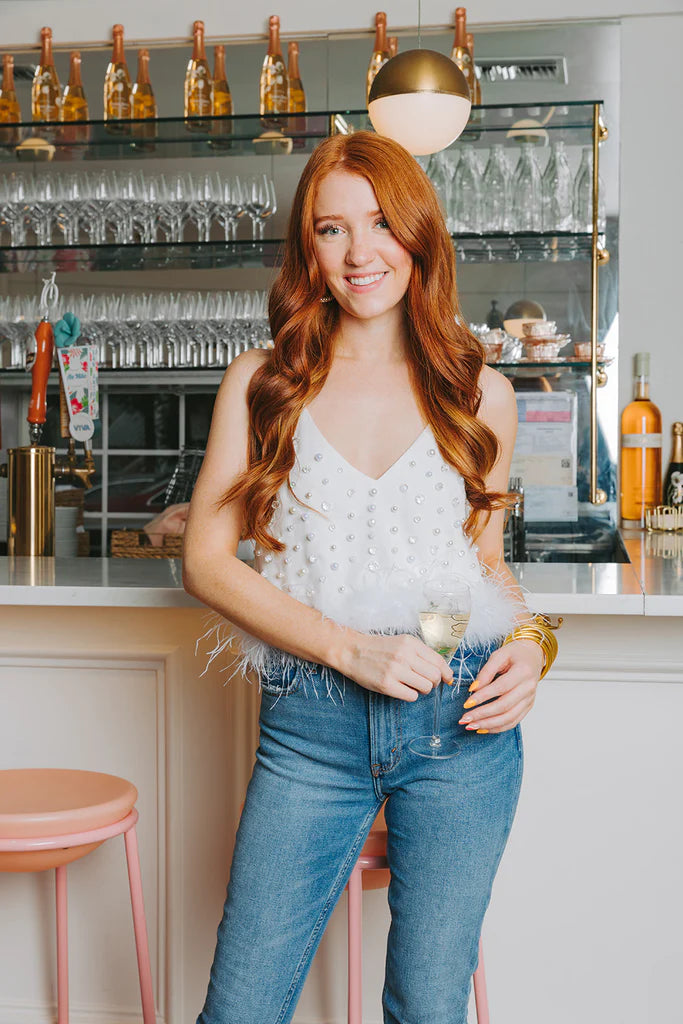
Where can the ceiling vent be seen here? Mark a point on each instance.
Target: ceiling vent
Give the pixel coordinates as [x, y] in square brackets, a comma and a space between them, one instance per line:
[523, 69]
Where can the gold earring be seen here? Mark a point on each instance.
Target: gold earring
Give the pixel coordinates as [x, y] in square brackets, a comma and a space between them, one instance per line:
[326, 298]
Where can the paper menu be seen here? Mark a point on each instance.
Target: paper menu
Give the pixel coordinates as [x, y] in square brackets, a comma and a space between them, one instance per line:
[545, 454]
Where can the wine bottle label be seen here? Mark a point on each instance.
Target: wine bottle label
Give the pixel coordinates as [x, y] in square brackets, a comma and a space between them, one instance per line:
[641, 440]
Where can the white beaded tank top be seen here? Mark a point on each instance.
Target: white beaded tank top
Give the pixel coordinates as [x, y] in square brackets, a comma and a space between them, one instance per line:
[360, 549]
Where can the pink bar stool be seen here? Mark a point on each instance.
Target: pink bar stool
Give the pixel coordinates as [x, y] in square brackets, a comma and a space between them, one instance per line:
[51, 816]
[372, 872]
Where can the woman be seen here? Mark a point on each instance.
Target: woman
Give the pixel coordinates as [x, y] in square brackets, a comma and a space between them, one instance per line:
[364, 455]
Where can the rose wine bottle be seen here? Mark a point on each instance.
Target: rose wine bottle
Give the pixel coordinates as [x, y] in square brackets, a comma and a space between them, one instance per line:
[297, 96]
[273, 98]
[380, 53]
[117, 84]
[393, 45]
[10, 111]
[198, 80]
[673, 481]
[74, 104]
[477, 85]
[144, 105]
[222, 99]
[460, 55]
[46, 93]
[641, 450]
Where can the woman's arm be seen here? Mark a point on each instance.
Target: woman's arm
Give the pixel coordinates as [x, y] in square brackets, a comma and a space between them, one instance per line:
[510, 676]
[399, 666]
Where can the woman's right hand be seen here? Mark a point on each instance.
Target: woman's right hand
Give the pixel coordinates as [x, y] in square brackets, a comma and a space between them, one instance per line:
[400, 666]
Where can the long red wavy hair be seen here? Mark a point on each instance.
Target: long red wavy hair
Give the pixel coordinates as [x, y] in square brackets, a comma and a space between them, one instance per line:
[445, 359]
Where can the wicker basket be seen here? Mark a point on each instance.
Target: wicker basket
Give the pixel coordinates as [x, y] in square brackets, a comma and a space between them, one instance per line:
[136, 544]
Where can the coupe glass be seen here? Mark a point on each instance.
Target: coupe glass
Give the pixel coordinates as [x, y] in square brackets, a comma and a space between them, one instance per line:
[443, 624]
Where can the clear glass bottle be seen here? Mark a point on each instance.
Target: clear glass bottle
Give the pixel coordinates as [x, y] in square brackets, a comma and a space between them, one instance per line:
[297, 96]
[466, 204]
[557, 191]
[526, 192]
[477, 84]
[460, 54]
[582, 195]
[144, 102]
[46, 92]
[10, 111]
[380, 52]
[440, 174]
[198, 80]
[221, 95]
[496, 191]
[117, 84]
[74, 103]
[273, 90]
[640, 462]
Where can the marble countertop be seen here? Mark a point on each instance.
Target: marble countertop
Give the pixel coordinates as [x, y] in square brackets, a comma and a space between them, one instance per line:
[652, 584]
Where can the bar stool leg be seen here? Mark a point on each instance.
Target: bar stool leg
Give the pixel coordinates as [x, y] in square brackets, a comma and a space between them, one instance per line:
[480, 995]
[62, 947]
[140, 927]
[355, 940]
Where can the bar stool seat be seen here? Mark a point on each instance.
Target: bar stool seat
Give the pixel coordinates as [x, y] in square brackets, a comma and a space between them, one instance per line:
[43, 803]
[52, 816]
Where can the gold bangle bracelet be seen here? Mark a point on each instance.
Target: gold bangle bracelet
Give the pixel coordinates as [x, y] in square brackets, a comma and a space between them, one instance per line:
[539, 630]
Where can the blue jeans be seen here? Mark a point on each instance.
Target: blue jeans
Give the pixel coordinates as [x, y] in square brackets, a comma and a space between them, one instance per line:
[324, 767]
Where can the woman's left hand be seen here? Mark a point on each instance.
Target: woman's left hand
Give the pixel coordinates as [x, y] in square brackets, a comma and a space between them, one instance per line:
[508, 680]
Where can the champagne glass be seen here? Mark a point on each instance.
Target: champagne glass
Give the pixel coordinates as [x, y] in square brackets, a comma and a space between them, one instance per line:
[443, 626]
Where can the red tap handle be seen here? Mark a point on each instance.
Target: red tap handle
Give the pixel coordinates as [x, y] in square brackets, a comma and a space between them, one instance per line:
[40, 371]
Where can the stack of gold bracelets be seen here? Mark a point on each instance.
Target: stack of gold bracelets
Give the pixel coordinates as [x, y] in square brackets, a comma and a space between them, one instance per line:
[540, 630]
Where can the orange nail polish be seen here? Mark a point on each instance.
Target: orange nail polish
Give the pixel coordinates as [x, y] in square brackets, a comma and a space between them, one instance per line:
[474, 686]
[469, 703]
[482, 730]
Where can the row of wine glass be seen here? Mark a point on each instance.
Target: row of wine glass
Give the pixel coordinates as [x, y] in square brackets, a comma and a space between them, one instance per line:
[500, 197]
[156, 330]
[127, 207]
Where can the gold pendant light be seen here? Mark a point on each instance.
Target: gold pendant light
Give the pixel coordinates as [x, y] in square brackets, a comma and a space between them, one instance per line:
[421, 99]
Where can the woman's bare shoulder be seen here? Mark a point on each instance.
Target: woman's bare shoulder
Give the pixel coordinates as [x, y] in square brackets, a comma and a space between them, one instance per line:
[498, 407]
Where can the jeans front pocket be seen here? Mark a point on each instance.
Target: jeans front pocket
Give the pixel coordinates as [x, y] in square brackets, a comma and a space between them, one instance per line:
[282, 682]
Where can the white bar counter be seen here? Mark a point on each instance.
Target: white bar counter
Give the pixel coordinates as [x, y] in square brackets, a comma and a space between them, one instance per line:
[98, 670]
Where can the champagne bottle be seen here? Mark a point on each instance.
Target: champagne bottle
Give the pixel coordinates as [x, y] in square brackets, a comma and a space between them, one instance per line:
[295, 89]
[198, 81]
[273, 84]
[144, 105]
[380, 53]
[221, 98]
[476, 99]
[460, 55]
[10, 111]
[393, 45]
[74, 104]
[673, 481]
[641, 450]
[46, 93]
[117, 85]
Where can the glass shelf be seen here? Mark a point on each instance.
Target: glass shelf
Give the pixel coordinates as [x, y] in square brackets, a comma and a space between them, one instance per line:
[251, 134]
[503, 248]
[159, 256]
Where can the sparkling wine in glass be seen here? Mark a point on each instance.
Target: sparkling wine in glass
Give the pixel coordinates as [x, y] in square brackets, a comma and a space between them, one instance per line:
[443, 625]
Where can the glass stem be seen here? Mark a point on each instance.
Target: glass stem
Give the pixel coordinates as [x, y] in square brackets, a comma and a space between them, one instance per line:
[436, 728]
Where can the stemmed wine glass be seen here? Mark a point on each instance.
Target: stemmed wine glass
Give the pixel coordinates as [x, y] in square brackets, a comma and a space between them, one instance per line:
[443, 626]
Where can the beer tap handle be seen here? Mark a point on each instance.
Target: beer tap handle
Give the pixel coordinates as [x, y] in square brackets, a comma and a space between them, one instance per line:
[40, 371]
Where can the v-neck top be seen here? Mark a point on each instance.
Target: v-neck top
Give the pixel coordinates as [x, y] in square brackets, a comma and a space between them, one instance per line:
[360, 549]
